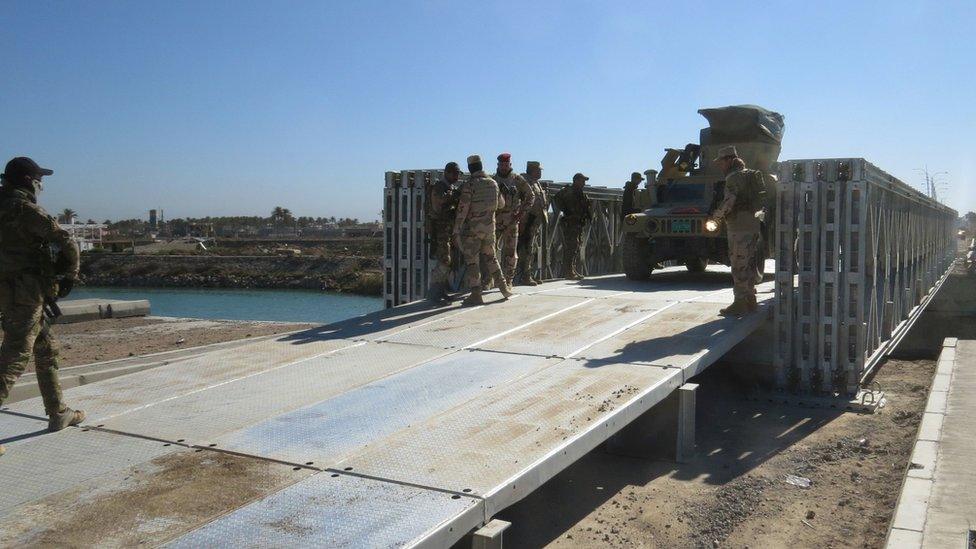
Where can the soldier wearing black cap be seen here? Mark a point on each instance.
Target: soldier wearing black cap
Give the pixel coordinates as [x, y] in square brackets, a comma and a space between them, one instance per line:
[575, 208]
[38, 262]
[442, 200]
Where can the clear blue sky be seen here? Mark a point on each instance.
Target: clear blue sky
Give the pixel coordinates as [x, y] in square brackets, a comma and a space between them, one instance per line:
[233, 107]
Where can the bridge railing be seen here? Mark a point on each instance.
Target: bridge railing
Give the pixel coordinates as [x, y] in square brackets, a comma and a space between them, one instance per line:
[407, 267]
[858, 253]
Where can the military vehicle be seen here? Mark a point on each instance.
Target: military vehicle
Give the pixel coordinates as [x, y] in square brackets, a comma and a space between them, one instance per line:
[669, 220]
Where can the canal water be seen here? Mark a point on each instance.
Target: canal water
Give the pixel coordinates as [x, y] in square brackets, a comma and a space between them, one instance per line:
[279, 305]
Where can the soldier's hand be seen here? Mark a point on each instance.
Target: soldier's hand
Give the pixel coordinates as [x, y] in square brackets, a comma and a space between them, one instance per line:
[65, 285]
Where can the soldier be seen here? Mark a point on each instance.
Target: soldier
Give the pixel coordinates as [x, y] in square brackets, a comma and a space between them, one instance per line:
[629, 205]
[474, 230]
[441, 209]
[528, 247]
[576, 213]
[38, 261]
[519, 197]
[743, 198]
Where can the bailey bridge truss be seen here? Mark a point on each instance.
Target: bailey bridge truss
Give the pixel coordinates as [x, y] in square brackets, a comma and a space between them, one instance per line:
[858, 256]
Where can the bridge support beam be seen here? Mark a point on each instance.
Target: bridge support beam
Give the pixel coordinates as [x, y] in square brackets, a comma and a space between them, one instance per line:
[490, 535]
[666, 431]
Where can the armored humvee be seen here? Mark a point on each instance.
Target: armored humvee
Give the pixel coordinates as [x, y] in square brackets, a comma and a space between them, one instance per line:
[666, 221]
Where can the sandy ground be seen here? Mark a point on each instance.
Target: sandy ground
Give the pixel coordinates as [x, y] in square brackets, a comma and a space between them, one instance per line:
[734, 492]
[109, 339]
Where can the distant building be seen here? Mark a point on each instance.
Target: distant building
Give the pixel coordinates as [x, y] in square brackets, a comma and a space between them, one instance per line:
[86, 235]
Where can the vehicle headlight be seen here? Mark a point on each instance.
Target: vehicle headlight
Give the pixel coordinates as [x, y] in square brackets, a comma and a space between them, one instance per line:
[652, 226]
[630, 219]
[711, 225]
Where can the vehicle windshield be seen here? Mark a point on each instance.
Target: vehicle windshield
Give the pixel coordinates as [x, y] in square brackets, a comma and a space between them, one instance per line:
[681, 192]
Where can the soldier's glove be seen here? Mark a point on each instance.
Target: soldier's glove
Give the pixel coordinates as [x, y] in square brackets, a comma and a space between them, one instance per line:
[65, 285]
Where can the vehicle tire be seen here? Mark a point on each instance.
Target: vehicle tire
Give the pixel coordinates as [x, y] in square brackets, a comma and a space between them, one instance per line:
[637, 257]
[696, 265]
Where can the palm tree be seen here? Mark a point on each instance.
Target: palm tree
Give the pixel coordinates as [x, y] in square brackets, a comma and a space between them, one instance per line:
[68, 215]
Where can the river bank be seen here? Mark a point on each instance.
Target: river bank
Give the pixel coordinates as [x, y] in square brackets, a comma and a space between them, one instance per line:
[352, 274]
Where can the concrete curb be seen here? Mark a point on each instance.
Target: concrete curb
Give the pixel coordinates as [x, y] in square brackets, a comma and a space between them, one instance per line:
[908, 523]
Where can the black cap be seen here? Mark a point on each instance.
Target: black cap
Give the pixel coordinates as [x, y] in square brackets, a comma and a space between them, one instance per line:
[637, 175]
[21, 166]
[580, 176]
[451, 166]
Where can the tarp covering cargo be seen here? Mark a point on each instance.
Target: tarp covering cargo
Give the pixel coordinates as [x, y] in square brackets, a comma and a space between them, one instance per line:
[740, 123]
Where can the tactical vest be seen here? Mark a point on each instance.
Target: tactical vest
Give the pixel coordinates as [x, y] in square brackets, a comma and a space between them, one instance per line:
[19, 252]
[484, 196]
[752, 191]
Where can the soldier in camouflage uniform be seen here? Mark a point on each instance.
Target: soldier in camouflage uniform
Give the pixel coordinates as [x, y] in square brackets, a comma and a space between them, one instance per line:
[738, 210]
[474, 230]
[518, 197]
[38, 262]
[576, 213]
[528, 247]
[441, 208]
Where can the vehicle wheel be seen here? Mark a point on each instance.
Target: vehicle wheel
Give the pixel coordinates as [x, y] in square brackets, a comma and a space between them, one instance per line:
[637, 257]
[696, 265]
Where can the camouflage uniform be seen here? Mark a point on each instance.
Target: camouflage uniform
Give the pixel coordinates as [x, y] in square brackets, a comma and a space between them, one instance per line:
[28, 275]
[576, 213]
[743, 229]
[528, 246]
[475, 226]
[518, 197]
[441, 209]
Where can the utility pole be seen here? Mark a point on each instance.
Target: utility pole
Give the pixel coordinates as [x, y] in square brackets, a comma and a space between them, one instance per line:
[931, 181]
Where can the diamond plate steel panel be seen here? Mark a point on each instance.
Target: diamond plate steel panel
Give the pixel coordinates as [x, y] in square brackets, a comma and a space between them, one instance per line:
[679, 337]
[134, 391]
[485, 322]
[567, 332]
[202, 416]
[502, 434]
[16, 429]
[53, 462]
[324, 433]
[333, 510]
[91, 489]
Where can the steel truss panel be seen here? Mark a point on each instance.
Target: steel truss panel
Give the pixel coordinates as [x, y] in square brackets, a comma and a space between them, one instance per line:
[507, 442]
[338, 510]
[485, 322]
[201, 416]
[329, 431]
[882, 248]
[82, 488]
[123, 394]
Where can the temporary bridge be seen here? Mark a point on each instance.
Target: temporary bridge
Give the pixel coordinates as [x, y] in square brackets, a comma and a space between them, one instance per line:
[407, 427]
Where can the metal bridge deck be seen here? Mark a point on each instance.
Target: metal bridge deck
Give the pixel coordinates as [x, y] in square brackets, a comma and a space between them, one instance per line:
[409, 426]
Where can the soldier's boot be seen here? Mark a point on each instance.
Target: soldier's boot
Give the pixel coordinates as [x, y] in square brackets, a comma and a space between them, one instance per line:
[474, 298]
[751, 303]
[64, 418]
[503, 285]
[738, 307]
